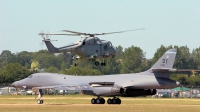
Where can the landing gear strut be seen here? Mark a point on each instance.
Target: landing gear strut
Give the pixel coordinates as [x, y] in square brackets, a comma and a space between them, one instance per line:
[103, 64]
[98, 100]
[75, 64]
[40, 101]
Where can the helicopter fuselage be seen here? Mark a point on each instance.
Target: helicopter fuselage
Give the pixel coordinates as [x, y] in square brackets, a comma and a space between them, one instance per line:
[94, 48]
[86, 47]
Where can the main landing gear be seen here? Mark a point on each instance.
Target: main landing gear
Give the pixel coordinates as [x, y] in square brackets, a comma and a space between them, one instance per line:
[100, 100]
[114, 100]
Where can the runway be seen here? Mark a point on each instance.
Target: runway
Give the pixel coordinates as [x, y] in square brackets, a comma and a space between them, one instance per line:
[81, 103]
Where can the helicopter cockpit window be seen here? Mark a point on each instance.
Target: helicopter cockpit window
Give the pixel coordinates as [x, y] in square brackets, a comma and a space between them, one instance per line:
[105, 48]
[110, 44]
[98, 42]
[30, 76]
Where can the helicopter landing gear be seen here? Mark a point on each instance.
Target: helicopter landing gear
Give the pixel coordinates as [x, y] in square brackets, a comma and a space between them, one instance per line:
[75, 64]
[103, 64]
[98, 100]
[96, 63]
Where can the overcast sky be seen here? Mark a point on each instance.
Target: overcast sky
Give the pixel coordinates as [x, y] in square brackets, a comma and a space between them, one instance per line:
[167, 22]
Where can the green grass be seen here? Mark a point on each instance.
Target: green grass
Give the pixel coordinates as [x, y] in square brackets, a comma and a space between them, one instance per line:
[81, 103]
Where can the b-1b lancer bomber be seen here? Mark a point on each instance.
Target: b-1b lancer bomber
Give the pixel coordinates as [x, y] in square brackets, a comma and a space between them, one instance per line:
[129, 85]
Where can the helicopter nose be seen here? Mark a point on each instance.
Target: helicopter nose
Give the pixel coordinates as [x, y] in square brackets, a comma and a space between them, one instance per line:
[115, 51]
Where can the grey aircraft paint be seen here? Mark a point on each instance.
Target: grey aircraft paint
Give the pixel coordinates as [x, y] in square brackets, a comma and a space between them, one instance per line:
[135, 84]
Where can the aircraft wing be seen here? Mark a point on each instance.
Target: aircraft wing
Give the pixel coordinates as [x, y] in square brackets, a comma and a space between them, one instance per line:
[76, 86]
[63, 87]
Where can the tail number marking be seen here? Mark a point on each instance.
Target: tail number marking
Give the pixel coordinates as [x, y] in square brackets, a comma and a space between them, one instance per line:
[164, 60]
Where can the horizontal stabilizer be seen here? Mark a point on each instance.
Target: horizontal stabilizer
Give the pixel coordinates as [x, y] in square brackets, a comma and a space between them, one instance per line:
[163, 70]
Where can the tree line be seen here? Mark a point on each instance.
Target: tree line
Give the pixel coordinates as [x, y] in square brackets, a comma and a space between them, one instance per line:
[16, 66]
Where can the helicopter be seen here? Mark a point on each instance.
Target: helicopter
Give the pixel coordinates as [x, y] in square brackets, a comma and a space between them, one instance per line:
[89, 46]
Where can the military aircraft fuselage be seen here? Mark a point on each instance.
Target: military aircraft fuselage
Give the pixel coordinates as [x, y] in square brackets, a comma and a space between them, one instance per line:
[135, 84]
[135, 81]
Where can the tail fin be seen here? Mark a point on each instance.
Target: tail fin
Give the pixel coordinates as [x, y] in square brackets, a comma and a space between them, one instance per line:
[50, 46]
[166, 62]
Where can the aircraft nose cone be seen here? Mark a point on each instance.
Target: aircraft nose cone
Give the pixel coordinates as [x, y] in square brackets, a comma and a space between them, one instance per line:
[13, 84]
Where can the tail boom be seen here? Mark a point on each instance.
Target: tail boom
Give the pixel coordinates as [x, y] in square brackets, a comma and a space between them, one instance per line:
[50, 46]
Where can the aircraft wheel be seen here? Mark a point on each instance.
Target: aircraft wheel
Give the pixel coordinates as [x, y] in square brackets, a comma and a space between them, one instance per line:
[102, 101]
[114, 101]
[109, 101]
[118, 101]
[103, 64]
[40, 101]
[98, 101]
[93, 101]
[96, 63]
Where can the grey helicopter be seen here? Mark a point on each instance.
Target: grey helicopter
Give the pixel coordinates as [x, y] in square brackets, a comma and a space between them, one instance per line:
[89, 46]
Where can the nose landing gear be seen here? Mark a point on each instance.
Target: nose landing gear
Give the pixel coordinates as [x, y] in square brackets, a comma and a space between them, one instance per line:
[40, 101]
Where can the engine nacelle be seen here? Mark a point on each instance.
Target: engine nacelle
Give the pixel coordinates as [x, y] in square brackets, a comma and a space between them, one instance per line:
[103, 91]
[118, 91]
[106, 91]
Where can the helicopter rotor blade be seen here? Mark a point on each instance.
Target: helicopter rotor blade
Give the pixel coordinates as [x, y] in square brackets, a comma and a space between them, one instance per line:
[118, 32]
[42, 34]
[66, 34]
[73, 32]
[59, 34]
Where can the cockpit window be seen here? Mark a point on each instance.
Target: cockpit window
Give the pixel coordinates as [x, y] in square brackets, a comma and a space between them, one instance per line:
[30, 76]
[98, 42]
[105, 48]
[110, 44]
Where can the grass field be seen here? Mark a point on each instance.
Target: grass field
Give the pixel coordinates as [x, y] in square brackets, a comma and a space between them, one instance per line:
[81, 103]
